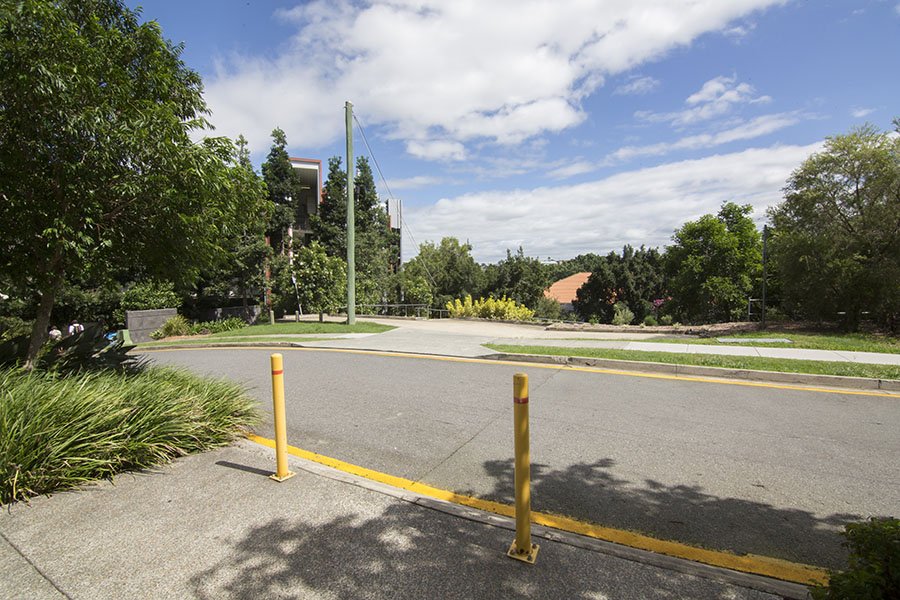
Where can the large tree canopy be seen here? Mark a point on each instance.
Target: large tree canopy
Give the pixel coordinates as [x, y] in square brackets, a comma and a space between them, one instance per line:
[375, 242]
[97, 164]
[284, 189]
[837, 233]
[714, 265]
[518, 277]
[449, 268]
[635, 278]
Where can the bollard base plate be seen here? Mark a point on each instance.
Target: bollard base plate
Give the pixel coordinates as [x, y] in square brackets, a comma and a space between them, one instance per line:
[528, 557]
[287, 475]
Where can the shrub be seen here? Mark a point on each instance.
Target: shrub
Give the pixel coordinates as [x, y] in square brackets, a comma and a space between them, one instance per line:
[88, 350]
[229, 324]
[874, 563]
[650, 321]
[147, 295]
[13, 327]
[175, 326]
[594, 320]
[665, 320]
[622, 315]
[547, 308]
[502, 309]
[58, 432]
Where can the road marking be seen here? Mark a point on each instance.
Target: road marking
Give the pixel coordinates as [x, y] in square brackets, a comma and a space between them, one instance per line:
[748, 563]
[486, 361]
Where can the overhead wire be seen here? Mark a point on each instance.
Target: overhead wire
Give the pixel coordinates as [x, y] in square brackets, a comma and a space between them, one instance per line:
[391, 195]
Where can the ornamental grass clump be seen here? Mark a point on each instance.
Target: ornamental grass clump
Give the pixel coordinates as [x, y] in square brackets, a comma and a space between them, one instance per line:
[60, 432]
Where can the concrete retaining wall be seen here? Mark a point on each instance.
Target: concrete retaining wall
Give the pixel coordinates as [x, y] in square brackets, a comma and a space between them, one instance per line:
[141, 323]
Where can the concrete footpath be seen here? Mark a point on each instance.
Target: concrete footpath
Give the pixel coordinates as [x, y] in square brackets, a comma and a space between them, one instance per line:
[214, 526]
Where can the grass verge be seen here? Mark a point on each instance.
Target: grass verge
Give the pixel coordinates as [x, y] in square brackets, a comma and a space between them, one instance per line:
[850, 342]
[229, 340]
[60, 432]
[752, 363]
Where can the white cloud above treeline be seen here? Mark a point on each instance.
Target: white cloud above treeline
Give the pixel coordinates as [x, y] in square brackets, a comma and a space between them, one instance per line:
[440, 75]
[638, 207]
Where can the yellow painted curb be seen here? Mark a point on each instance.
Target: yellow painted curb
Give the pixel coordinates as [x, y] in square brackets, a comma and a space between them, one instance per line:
[749, 563]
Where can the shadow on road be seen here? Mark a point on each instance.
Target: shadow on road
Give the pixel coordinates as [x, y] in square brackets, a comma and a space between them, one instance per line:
[590, 492]
[408, 551]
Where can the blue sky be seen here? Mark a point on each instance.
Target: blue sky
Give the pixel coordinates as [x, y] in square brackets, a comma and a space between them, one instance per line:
[561, 126]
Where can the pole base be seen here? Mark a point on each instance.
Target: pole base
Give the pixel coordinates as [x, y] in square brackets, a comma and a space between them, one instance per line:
[287, 475]
[528, 557]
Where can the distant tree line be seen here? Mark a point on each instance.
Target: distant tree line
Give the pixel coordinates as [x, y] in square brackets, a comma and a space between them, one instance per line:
[833, 255]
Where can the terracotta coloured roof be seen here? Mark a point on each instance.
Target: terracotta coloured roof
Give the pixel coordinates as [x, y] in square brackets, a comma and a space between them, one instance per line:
[563, 291]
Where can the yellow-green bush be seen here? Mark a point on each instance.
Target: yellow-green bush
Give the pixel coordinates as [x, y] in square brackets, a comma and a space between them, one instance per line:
[492, 308]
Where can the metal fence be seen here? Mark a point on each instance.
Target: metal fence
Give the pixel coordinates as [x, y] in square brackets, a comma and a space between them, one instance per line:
[399, 310]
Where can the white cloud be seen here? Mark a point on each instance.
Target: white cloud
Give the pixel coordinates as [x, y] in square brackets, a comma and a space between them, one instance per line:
[637, 207]
[437, 149]
[759, 126]
[859, 113]
[438, 75]
[716, 98]
[570, 170]
[637, 86]
[413, 183]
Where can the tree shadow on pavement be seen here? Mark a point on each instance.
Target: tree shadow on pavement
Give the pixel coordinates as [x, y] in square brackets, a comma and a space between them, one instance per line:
[590, 492]
[409, 551]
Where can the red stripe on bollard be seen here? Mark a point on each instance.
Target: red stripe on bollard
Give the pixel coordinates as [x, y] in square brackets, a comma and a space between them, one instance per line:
[277, 372]
[520, 400]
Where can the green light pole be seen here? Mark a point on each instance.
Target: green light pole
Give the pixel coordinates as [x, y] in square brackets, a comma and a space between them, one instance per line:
[351, 223]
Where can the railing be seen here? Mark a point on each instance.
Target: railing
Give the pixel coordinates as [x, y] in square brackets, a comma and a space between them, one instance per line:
[421, 311]
[393, 310]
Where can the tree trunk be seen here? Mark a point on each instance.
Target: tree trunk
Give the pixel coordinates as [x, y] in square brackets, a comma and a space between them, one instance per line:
[321, 317]
[42, 320]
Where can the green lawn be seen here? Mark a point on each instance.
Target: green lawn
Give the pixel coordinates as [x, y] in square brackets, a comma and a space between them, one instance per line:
[754, 363]
[199, 341]
[256, 333]
[849, 342]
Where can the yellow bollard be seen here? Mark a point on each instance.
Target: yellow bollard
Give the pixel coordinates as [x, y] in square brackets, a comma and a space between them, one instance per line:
[522, 548]
[282, 472]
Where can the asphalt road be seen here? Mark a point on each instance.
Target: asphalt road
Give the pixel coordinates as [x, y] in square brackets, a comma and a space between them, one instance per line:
[761, 470]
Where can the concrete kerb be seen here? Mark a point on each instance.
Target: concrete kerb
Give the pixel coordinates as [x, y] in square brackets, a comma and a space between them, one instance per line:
[856, 383]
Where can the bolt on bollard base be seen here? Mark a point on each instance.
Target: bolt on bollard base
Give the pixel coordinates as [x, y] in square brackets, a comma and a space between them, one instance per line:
[528, 556]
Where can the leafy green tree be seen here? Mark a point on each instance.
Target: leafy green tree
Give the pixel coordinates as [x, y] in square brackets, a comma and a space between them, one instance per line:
[283, 189]
[97, 164]
[374, 240]
[714, 265]
[241, 269]
[634, 279]
[583, 263]
[414, 288]
[321, 279]
[517, 277]
[329, 225]
[449, 268]
[836, 242]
